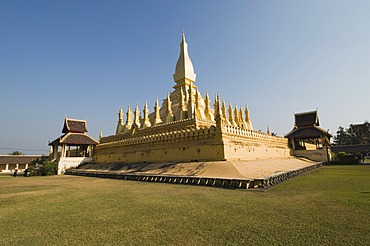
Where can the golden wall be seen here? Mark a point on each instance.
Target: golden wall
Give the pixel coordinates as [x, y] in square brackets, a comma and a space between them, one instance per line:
[180, 142]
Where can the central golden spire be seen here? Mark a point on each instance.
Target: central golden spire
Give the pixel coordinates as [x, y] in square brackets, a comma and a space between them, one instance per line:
[184, 72]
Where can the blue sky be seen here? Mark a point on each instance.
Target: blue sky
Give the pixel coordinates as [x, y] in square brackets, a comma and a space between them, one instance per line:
[84, 59]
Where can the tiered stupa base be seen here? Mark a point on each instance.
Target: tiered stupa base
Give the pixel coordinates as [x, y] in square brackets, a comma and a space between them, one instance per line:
[226, 174]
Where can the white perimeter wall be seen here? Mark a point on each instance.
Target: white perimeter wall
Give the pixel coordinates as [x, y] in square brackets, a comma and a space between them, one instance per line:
[315, 155]
[70, 162]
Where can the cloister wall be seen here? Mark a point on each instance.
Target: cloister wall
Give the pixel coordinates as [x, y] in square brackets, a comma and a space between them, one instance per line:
[241, 144]
[208, 143]
[178, 145]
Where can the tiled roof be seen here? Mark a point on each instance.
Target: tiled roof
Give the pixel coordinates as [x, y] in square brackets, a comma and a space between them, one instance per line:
[72, 125]
[307, 119]
[307, 132]
[18, 159]
[72, 138]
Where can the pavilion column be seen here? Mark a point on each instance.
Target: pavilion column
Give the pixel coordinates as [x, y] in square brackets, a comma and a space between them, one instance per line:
[7, 167]
[55, 151]
[63, 151]
[91, 150]
[293, 144]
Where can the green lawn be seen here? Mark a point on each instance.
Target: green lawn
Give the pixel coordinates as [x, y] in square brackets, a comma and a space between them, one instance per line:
[329, 206]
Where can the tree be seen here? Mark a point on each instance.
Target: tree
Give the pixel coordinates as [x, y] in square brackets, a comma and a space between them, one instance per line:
[342, 137]
[16, 152]
[43, 168]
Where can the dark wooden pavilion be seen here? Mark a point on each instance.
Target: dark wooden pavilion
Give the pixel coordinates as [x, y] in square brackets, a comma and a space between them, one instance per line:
[306, 131]
[74, 142]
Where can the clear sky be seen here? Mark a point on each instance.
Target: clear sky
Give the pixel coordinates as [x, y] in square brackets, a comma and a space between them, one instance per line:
[84, 59]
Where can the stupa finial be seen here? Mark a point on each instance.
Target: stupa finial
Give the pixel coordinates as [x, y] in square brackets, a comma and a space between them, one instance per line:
[247, 119]
[120, 116]
[120, 125]
[137, 116]
[157, 119]
[207, 112]
[146, 122]
[184, 72]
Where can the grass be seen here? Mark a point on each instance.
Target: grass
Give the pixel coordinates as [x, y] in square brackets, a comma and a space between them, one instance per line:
[330, 206]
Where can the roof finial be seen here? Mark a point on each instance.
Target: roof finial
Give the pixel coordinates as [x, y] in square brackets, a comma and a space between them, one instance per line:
[100, 134]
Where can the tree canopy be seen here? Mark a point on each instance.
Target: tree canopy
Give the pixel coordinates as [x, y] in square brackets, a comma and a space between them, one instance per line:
[16, 152]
